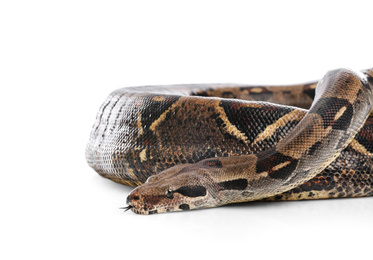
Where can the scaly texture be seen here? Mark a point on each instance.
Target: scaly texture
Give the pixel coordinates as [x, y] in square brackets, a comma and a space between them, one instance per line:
[210, 145]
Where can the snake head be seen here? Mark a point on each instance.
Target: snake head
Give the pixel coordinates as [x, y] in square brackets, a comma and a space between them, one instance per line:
[179, 188]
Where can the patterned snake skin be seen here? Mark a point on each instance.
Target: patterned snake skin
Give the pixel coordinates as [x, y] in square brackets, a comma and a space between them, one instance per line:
[208, 145]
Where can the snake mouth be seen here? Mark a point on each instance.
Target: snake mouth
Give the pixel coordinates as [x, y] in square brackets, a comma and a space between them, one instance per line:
[139, 209]
[130, 205]
[136, 210]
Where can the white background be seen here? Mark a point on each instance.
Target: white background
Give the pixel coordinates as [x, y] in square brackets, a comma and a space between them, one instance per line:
[60, 59]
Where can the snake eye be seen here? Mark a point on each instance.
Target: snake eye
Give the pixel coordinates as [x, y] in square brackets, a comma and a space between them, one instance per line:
[169, 194]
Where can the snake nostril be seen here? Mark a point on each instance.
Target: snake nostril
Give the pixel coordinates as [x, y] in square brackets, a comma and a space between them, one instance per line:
[131, 198]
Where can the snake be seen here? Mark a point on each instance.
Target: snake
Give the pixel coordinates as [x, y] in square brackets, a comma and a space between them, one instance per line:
[197, 146]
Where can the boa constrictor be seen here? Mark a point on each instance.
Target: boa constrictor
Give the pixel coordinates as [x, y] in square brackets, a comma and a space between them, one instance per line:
[201, 146]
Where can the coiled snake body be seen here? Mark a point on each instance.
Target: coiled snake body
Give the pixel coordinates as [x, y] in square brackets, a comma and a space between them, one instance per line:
[200, 146]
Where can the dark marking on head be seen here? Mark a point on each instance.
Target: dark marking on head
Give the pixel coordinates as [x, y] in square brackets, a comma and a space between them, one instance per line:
[239, 184]
[216, 163]
[152, 200]
[296, 190]
[184, 207]
[192, 191]
[272, 161]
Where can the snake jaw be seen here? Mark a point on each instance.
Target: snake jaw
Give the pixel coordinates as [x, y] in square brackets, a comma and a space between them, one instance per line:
[173, 190]
[151, 204]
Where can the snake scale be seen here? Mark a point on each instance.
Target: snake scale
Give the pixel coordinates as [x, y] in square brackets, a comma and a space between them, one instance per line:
[201, 146]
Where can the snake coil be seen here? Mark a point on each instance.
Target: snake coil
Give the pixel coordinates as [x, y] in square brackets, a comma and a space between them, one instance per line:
[201, 146]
